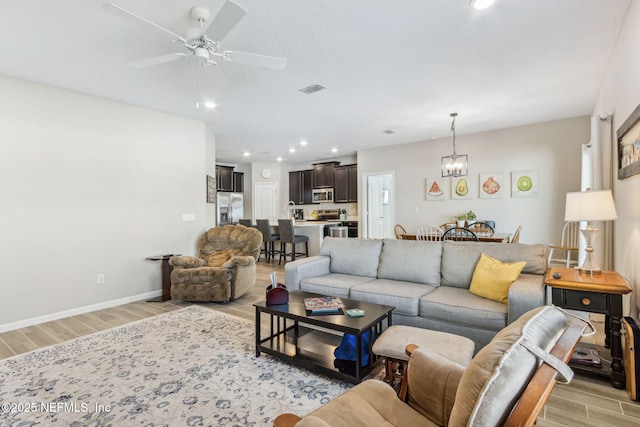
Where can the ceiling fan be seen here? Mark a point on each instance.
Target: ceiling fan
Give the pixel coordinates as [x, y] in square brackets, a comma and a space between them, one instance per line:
[202, 42]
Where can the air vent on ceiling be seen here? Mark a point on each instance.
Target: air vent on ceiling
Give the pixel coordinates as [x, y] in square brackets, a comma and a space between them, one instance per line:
[312, 89]
[388, 131]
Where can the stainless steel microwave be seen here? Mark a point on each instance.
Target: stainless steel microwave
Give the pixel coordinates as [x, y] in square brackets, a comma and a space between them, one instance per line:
[323, 195]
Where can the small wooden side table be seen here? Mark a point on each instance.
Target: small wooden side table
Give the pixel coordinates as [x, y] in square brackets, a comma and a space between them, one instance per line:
[594, 293]
[166, 277]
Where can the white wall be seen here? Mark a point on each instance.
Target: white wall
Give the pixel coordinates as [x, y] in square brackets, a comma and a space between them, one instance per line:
[551, 148]
[619, 96]
[92, 186]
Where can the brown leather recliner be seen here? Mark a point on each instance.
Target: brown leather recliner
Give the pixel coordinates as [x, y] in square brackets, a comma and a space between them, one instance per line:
[505, 384]
[225, 268]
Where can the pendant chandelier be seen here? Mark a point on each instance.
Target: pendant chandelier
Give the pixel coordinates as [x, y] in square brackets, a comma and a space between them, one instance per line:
[455, 164]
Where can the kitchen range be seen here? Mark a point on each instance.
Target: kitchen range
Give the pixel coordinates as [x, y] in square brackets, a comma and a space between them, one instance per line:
[333, 217]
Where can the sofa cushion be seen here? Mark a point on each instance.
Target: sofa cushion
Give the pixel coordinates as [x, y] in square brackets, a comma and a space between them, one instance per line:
[496, 376]
[334, 284]
[411, 261]
[359, 257]
[459, 306]
[404, 296]
[459, 259]
[492, 278]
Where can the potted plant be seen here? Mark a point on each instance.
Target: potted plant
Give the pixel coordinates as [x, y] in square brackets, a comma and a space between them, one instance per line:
[470, 217]
[460, 219]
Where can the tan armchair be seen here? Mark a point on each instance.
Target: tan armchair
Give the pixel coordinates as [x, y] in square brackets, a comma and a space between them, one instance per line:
[505, 383]
[224, 269]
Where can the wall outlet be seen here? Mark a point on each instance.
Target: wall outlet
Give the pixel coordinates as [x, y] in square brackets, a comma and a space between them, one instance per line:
[100, 279]
[188, 217]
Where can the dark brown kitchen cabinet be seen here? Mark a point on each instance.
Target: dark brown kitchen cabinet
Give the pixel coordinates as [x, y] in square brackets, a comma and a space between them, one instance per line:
[345, 183]
[300, 186]
[224, 178]
[323, 174]
[238, 182]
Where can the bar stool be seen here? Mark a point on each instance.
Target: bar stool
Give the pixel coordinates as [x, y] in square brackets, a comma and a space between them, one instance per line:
[245, 222]
[268, 238]
[287, 235]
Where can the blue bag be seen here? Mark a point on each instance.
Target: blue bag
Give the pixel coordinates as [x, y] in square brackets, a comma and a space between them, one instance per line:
[347, 348]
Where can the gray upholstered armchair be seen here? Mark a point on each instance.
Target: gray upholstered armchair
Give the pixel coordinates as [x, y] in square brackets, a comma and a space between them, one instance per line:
[224, 269]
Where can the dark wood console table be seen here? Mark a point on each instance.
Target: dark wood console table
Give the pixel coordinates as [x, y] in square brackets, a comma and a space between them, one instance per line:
[166, 277]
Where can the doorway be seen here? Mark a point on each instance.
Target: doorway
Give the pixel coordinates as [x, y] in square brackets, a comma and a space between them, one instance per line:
[379, 202]
[266, 201]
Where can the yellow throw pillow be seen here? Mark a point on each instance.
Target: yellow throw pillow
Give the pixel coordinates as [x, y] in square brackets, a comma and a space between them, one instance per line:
[492, 278]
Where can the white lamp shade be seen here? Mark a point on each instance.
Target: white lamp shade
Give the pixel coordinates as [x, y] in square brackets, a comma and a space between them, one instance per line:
[590, 206]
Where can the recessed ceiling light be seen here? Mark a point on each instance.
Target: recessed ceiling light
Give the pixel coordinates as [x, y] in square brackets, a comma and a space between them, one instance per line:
[246, 154]
[206, 104]
[279, 159]
[334, 150]
[292, 150]
[303, 143]
[312, 89]
[481, 4]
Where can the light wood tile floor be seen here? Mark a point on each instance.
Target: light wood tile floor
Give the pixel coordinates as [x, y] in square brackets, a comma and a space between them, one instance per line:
[583, 402]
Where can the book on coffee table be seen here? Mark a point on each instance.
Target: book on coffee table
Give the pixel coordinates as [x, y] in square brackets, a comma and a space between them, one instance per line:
[323, 305]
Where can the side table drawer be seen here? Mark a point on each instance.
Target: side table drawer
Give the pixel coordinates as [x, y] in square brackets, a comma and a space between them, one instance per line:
[586, 301]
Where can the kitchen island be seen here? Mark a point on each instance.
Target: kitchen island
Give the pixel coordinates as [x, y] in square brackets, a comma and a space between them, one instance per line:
[314, 230]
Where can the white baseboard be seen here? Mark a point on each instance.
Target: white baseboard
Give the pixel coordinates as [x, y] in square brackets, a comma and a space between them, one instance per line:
[75, 311]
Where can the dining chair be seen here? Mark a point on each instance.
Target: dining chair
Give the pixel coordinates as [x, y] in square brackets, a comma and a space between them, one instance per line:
[516, 235]
[245, 222]
[268, 237]
[398, 231]
[568, 246]
[430, 232]
[482, 227]
[288, 236]
[460, 234]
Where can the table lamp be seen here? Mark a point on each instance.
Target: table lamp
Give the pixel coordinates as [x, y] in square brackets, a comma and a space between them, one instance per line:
[590, 206]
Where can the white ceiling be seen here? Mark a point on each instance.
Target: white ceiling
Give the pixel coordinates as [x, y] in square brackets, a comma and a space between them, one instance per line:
[402, 65]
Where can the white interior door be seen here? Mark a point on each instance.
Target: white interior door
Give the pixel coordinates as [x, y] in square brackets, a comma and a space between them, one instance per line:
[374, 208]
[378, 198]
[266, 201]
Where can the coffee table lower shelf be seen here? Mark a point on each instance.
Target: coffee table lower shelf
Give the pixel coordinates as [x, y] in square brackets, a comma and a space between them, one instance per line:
[314, 351]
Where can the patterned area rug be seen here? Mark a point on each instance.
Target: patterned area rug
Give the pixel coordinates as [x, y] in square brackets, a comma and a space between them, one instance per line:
[189, 367]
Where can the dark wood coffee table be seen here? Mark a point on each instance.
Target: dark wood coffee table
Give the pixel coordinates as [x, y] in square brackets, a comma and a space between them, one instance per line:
[293, 338]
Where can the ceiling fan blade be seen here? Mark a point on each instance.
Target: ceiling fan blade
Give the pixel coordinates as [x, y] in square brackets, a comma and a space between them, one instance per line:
[157, 60]
[227, 18]
[113, 8]
[254, 59]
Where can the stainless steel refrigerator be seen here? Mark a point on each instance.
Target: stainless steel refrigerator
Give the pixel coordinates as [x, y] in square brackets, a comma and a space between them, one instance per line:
[230, 208]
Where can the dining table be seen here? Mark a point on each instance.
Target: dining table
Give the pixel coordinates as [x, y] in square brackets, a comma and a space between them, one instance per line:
[495, 237]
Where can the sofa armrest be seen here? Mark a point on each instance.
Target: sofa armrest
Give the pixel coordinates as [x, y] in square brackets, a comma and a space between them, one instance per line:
[526, 293]
[433, 381]
[300, 269]
[186, 262]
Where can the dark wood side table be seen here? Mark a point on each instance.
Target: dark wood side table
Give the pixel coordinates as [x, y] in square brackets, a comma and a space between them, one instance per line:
[166, 277]
[594, 293]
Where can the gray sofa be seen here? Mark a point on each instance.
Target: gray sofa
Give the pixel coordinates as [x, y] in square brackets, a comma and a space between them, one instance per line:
[427, 282]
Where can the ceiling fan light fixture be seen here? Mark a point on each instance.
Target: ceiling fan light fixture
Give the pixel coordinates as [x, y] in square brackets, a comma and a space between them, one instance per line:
[481, 4]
